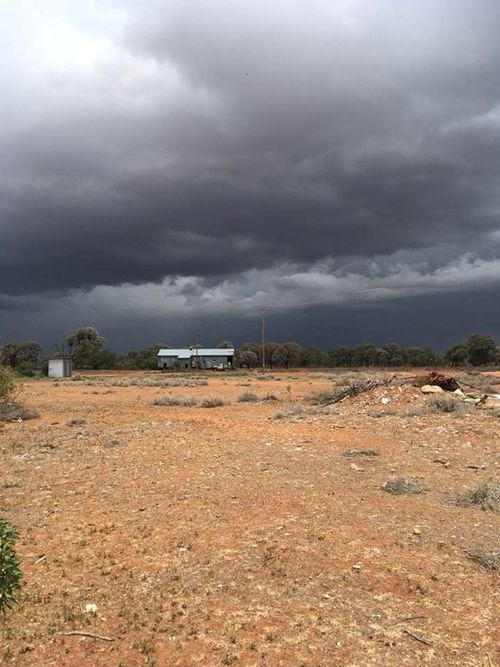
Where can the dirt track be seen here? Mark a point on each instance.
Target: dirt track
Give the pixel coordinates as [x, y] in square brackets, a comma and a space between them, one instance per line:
[224, 536]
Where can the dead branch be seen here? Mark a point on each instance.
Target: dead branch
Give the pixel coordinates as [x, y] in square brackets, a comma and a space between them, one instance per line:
[83, 633]
[416, 637]
[356, 388]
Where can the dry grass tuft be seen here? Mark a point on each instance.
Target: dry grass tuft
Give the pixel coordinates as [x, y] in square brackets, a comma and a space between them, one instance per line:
[486, 496]
[248, 397]
[76, 422]
[399, 486]
[13, 412]
[440, 404]
[153, 381]
[480, 380]
[184, 401]
[360, 452]
[212, 402]
[488, 557]
[322, 397]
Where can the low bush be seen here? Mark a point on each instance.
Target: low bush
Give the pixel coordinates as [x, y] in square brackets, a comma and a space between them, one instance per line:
[212, 402]
[248, 397]
[184, 401]
[486, 496]
[7, 386]
[486, 556]
[322, 397]
[399, 486]
[10, 574]
[439, 404]
[360, 452]
[13, 412]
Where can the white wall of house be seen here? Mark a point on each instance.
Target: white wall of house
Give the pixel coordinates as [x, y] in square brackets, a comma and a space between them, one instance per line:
[60, 368]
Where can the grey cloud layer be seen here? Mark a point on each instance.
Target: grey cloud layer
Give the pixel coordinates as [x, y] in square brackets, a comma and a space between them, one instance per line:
[208, 139]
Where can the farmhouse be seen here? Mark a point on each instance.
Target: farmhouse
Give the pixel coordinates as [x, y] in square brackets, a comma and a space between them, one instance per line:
[195, 357]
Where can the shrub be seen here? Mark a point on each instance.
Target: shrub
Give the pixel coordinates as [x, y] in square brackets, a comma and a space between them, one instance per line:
[486, 556]
[10, 574]
[185, 401]
[486, 496]
[7, 386]
[322, 397]
[212, 402]
[12, 412]
[400, 486]
[248, 397]
[439, 404]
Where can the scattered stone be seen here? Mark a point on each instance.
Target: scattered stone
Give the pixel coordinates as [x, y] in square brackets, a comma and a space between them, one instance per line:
[431, 389]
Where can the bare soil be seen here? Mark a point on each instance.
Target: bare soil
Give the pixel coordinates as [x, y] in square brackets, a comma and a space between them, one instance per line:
[225, 536]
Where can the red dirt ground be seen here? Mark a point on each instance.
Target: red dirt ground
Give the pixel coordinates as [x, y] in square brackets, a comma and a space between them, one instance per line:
[224, 536]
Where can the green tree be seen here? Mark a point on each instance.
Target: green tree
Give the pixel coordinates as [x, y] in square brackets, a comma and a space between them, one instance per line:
[340, 356]
[314, 358]
[457, 355]
[84, 345]
[482, 350]
[364, 355]
[278, 356]
[225, 345]
[23, 356]
[294, 353]
[253, 347]
[247, 358]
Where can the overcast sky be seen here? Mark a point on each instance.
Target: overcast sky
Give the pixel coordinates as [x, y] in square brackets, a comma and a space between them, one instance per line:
[166, 166]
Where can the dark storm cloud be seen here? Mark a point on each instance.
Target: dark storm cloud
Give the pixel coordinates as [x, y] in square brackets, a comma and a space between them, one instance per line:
[254, 146]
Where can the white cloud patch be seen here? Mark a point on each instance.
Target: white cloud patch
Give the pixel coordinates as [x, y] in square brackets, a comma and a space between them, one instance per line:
[283, 288]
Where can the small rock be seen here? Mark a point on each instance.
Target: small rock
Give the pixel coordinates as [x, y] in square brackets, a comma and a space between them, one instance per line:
[90, 608]
[431, 389]
[417, 531]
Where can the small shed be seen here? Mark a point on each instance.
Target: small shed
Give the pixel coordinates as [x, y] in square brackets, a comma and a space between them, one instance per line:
[62, 367]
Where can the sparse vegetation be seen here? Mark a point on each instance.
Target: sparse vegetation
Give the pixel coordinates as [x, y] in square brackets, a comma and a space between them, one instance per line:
[486, 556]
[150, 381]
[184, 401]
[248, 397]
[322, 397]
[76, 422]
[212, 402]
[10, 574]
[399, 486]
[439, 404]
[7, 386]
[11, 412]
[486, 496]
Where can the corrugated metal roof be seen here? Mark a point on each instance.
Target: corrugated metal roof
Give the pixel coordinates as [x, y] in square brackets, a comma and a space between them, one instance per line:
[186, 353]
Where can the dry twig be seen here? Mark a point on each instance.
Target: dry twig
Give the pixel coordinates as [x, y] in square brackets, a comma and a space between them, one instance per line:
[416, 637]
[82, 633]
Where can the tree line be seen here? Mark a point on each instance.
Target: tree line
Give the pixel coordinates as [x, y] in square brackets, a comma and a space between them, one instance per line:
[87, 348]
